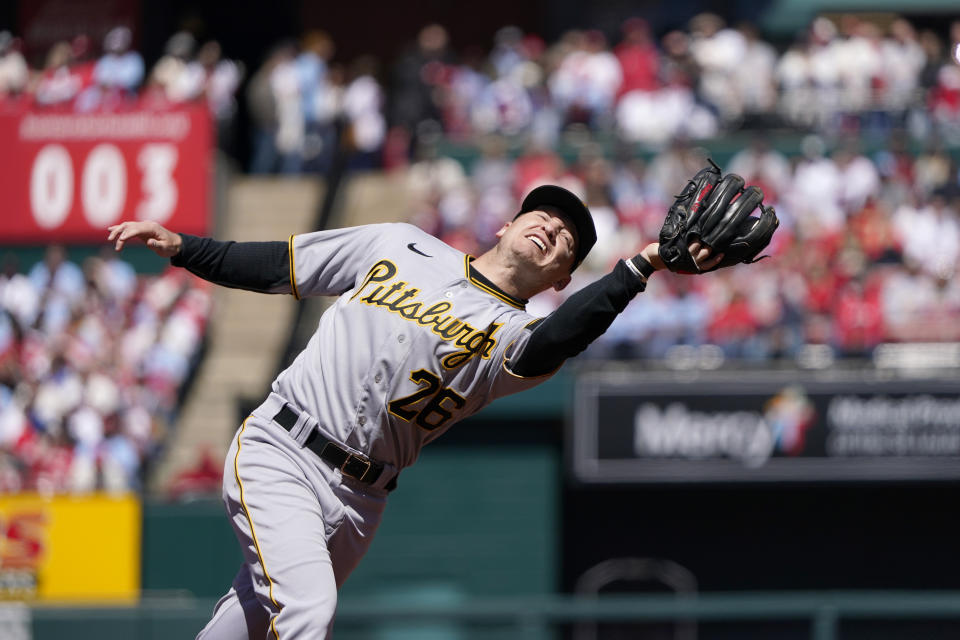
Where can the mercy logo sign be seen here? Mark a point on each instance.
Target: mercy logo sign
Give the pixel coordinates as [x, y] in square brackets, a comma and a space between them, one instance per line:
[751, 437]
[678, 432]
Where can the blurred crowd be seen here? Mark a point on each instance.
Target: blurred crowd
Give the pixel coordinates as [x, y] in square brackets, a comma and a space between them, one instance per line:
[299, 101]
[848, 76]
[867, 252]
[92, 362]
[85, 76]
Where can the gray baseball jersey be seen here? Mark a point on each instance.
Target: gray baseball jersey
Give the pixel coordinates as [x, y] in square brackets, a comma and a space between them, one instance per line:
[414, 343]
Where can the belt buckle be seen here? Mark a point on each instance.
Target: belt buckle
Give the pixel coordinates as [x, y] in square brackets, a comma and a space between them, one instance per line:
[350, 458]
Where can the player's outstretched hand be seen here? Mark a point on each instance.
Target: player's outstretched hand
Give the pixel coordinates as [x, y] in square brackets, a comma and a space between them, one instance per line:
[702, 255]
[164, 243]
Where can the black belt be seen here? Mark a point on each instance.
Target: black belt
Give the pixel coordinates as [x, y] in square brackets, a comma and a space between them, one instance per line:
[350, 464]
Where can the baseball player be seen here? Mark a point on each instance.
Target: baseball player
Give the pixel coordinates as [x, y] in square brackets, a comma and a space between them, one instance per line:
[420, 336]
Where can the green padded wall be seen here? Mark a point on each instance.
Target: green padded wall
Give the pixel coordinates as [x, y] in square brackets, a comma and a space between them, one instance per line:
[188, 547]
[468, 521]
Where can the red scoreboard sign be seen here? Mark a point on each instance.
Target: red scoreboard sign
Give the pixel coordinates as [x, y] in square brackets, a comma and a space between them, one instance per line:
[65, 177]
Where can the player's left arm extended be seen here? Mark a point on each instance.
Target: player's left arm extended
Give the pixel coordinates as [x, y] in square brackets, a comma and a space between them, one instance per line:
[580, 320]
[584, 316]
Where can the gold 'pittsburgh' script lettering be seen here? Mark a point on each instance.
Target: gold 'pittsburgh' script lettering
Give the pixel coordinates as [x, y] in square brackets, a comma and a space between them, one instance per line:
[400, 298]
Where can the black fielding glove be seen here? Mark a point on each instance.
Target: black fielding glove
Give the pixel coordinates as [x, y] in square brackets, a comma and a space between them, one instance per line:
[716, 212]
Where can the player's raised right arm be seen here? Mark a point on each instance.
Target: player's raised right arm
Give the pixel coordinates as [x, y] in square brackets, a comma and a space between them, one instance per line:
[255, 266]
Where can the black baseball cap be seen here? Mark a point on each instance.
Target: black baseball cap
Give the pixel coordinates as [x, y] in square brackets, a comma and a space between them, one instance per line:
[571, 205]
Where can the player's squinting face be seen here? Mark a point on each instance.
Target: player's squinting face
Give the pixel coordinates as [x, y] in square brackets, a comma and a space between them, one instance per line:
[546, 238]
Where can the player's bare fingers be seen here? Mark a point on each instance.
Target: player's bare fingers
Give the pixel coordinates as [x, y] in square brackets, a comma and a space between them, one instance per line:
[114, 230]
[126, 232]
[712, 262]
[699, 251]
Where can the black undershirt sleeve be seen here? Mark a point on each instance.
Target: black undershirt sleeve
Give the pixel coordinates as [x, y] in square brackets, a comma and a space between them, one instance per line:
[254, 266]
[580, 320]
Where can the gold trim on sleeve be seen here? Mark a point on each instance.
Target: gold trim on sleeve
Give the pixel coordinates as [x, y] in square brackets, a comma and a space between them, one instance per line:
[293, 271]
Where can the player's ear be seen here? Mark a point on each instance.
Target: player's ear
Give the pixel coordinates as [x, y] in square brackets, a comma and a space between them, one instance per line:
[560, 285]
[503, 229]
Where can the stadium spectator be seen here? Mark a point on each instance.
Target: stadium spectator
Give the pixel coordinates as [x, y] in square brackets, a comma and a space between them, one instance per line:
[872, 227]
[417, 79]
[509, 51]
[118, 73]
[765, 167]
[463, 112]
[173, 77]
[536, 165]
[14, 73]
[586, 81]
[672, 167]
[638, 57]
[815, 193]
[311, 66]
[797, 94]
[944, 100]
[930, 235]
[66, 73]
[503, 105]
[858, 318]
[719, 52]
[859, 178]
[263, 113]
[903, 63]
[362, 105]
[857, 55]
[222, 79]
[754, 77]
[634, 201]
[290, 134]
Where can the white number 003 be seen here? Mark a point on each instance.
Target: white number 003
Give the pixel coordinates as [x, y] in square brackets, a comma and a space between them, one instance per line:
[103, 184]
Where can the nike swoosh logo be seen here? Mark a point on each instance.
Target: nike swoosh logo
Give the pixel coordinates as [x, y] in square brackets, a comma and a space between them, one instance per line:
[412, 247]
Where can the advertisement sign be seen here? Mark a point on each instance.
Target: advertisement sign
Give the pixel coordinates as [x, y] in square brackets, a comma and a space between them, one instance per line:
[772, 426]
[76, 549]
[67, 176]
